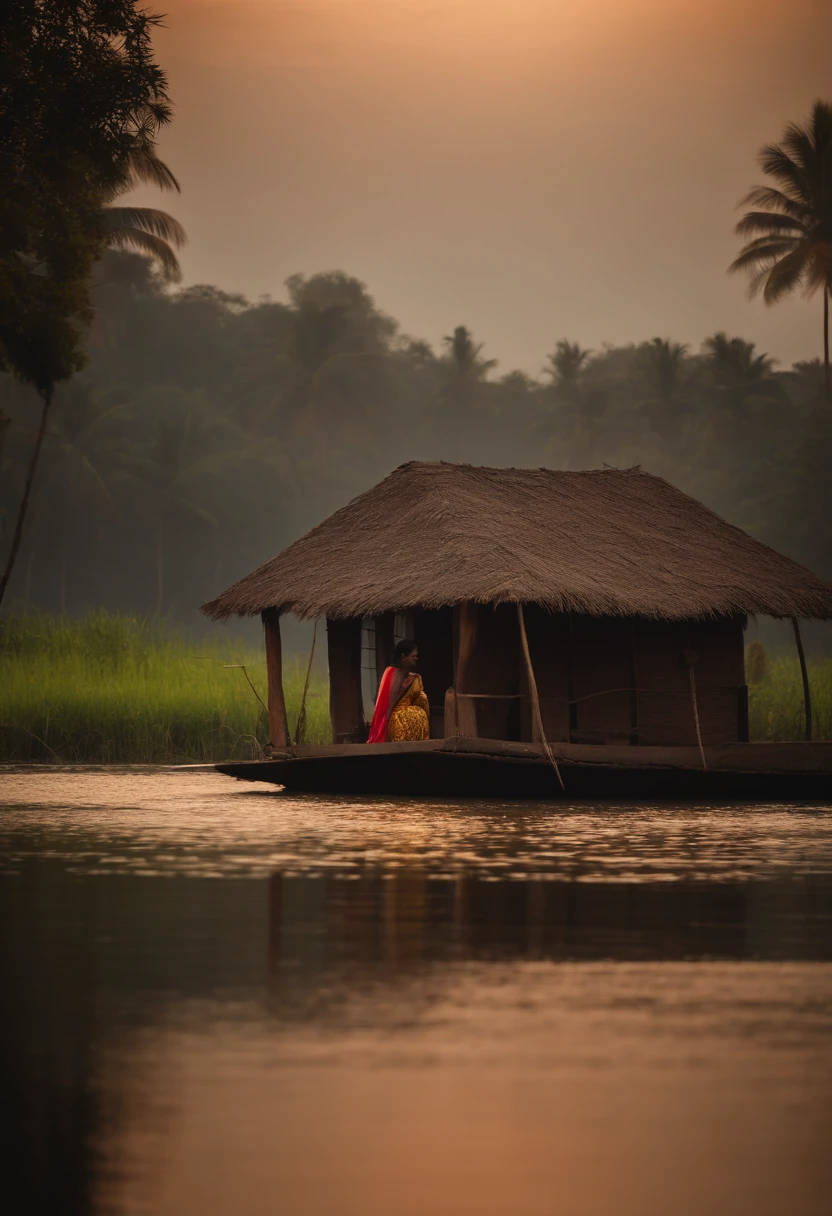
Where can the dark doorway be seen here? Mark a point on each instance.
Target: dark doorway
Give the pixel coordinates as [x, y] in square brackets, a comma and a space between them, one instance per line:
[433, 632]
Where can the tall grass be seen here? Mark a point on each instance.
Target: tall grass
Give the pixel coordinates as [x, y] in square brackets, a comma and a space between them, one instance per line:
[775, 703]
[113, 689]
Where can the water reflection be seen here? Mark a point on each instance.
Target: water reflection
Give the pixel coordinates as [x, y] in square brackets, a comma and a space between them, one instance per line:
[213, 997]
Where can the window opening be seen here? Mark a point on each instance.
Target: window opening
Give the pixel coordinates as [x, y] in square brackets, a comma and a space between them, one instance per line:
[402, 626]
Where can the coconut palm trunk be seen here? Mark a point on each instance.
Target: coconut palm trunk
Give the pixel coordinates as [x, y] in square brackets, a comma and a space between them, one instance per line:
[46, 397]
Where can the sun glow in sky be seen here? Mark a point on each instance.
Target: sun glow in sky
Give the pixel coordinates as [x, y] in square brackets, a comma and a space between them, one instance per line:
[534, 169]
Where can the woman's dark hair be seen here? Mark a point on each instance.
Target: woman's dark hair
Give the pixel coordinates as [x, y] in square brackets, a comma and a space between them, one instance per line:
[405, 646]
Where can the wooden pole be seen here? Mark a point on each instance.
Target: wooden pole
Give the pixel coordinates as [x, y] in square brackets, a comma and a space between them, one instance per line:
[466, 718]
[346, 702]
[692, 678]
[536, 715]
[807, 696]
[278, 725]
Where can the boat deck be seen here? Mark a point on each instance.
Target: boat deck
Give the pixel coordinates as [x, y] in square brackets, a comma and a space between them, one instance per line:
[459, 767]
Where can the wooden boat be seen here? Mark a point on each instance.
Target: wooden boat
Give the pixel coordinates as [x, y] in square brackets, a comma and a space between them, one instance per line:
[496, 768]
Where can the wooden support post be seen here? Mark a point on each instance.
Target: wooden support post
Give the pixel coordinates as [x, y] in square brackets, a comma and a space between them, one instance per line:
[465, 713]
[807, 695]
[536, 716]
[278, 726]
[346, 703]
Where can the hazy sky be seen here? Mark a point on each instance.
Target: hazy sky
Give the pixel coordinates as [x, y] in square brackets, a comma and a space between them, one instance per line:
[534, 169]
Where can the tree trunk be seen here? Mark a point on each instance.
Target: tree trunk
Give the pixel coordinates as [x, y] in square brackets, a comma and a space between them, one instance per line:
[46, 397]
[826, 372]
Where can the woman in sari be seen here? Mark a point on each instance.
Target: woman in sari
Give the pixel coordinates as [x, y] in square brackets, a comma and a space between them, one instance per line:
[402, 710]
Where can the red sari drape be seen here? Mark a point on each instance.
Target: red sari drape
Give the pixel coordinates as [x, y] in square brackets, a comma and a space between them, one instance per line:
[378, 726]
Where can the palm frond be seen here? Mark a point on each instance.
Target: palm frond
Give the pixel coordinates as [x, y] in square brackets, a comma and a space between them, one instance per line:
[776, 200]
[768, 222]
[800, 146]
[146, 242]
[779, 165]
[144, 166]
[786, 274]
[146, 219]
[761, 252]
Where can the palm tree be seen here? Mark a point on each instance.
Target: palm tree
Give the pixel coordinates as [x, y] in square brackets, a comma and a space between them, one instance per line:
[665, 367]
[465, 372]
[145, 229]
[739, 372]
[790, 243]
[566, 362]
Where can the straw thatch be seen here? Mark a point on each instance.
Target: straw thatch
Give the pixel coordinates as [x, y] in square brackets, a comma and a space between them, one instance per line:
[604, 542]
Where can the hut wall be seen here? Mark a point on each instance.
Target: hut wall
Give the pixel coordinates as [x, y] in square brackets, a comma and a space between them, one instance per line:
[665, 712]
[495, 669]
[550, 650]
[636, 665]
[601, 666]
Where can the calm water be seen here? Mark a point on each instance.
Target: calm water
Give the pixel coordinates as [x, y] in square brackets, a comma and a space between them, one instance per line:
[220, 1000]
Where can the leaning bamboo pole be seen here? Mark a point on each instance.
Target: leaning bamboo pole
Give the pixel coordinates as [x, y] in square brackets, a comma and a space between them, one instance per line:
[695, 706]
[534, 697]
[807, 695]
[300, 726]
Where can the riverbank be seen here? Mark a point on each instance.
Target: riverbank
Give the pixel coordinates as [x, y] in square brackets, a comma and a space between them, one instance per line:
[110, 689]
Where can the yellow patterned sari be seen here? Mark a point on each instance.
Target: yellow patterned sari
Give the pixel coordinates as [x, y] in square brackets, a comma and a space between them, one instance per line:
[410, 718]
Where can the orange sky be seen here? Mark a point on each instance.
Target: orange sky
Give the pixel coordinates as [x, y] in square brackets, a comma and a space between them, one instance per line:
[534, 169]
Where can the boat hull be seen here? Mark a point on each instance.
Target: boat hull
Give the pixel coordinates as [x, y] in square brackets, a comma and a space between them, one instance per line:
[458, 768]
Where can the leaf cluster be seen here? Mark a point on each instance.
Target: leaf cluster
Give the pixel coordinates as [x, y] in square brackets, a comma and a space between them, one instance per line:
[81, 102]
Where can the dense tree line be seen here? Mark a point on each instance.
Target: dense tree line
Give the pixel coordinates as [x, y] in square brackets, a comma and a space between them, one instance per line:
[207, 431]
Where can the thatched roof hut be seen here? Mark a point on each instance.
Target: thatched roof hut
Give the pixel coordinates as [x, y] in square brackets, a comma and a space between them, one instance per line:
[603, 542]
[622, 581]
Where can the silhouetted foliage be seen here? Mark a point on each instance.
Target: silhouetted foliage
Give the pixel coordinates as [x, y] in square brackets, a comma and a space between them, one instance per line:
[790, 230]
[207, 431]
[81, 100]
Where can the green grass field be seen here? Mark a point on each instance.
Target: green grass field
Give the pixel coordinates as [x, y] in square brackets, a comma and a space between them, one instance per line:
[775, 704]
[111, 689]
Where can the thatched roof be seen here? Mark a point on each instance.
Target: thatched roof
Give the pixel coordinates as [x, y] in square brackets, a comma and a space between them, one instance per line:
[604, 542]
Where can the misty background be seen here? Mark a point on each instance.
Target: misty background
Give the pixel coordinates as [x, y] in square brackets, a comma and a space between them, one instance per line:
[454, 231]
